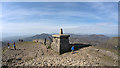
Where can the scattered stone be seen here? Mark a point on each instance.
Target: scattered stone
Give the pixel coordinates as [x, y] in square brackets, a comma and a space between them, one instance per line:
[41, 56]
[18, 59]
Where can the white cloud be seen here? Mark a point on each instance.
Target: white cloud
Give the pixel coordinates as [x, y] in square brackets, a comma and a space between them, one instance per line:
[105, 10]
[36, 28]
[108, 10]
[106, 24]
[32, 27]
[92, 29]
[22, 14]
[52, 25]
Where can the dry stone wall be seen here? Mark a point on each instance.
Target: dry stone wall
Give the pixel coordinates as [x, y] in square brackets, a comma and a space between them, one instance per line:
[40, 41]
[64, 44]
[56, 44]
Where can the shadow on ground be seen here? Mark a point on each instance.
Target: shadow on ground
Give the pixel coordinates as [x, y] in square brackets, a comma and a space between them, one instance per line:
[14, 49]
[77, 47]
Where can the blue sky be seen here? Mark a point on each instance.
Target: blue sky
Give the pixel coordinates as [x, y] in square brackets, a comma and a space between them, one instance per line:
[26, 18]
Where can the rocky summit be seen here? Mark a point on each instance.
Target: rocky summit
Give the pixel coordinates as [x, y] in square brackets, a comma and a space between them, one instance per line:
[36, 54]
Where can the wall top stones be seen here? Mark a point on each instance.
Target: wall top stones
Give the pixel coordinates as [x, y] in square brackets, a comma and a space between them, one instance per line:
[62, 35]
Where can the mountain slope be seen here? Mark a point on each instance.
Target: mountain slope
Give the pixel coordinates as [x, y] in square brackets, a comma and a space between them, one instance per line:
[113, 42]
[41, 36]
[92, 37]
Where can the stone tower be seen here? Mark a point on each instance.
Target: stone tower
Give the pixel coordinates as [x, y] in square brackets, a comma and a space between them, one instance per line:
[60, 42]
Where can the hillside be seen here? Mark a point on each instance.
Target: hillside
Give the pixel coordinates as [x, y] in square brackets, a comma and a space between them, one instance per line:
[113, 42]
[96, 40]
[92, 37]
[38, 36]
[103, 52]
[36, 54]
[85, 38]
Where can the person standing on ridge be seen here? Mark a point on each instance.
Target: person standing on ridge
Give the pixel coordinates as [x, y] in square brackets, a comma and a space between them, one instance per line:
[14, 46]
[72, 49]
[8, 46]
[45, 42]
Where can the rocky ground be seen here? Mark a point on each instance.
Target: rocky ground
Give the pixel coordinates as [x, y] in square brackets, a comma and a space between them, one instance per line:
[36, 54]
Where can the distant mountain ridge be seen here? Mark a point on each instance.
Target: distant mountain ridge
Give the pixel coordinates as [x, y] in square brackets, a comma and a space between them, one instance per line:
[92, 37]
[38, 36]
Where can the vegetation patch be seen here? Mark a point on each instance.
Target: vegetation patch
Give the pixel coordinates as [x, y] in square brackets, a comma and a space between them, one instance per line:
[108, 60]
[111, 50]
[49, 47]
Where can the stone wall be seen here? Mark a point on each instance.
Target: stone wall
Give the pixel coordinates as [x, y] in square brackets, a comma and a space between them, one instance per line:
[56, 44]
[60, 44]
[64, 46]
[40, 41]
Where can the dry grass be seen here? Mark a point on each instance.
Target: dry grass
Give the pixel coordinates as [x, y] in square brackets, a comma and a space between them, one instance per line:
[111, 50]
